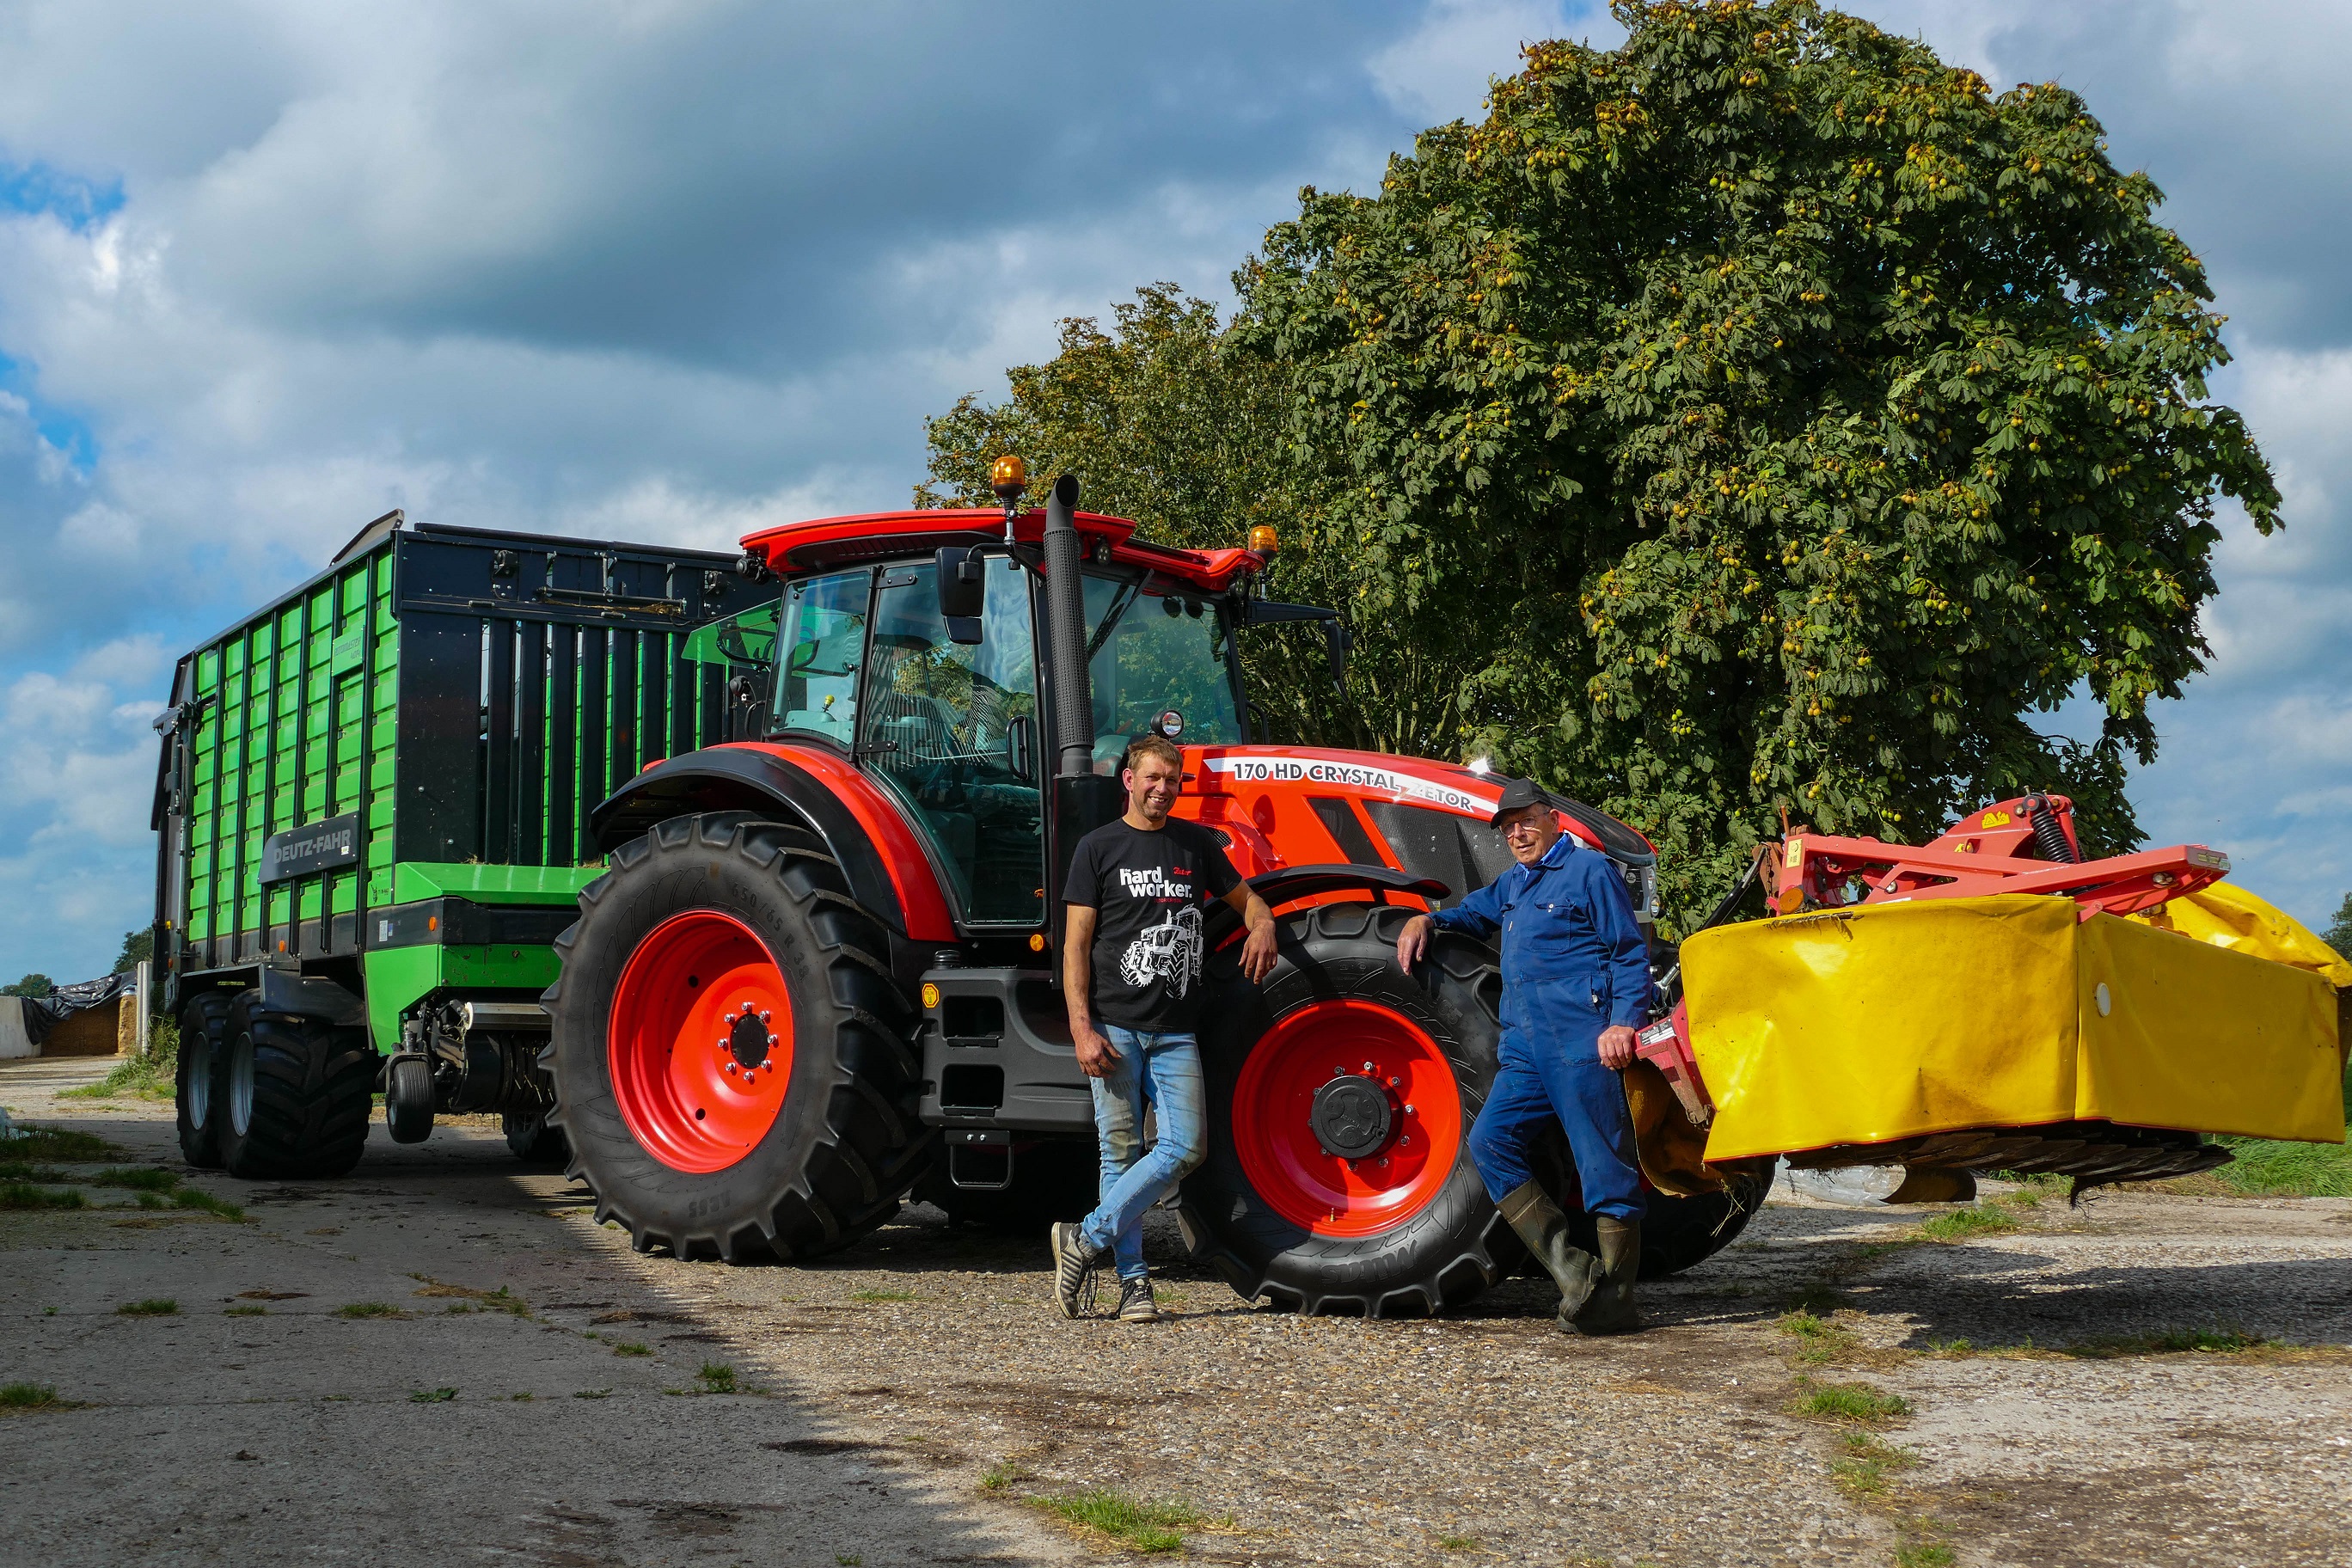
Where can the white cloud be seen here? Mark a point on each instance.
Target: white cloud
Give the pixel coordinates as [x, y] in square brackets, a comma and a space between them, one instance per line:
[1440, 71]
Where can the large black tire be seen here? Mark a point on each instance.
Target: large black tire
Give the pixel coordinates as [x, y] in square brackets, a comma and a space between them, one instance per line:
[846, 1143]
[293, 1095]
[1054, 1179]
[197, 1075]
[1456, 1245]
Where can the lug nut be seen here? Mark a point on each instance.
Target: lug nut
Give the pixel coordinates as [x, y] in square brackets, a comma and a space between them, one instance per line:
[1368, 1069]
[1396, 1083]
[771, 1041]
[1384, 1161]
[764, 1012]
[1404, 1140]
[1409, 1109]
[730, 1066]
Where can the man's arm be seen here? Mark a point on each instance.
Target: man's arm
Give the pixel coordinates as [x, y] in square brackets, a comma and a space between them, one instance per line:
[1480, 914]
[1626, 953]
[1257, 952]
[1095, 1053]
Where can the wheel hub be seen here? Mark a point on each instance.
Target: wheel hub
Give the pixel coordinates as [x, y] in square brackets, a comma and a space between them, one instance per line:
[748, 1038]
[1352, 1118]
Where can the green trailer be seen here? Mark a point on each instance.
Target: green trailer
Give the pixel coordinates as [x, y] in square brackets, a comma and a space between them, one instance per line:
[371, 804]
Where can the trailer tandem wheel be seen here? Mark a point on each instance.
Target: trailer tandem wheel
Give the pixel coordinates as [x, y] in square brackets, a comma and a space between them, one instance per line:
[292, 1095]
[1337, 1176]
[730, 1053]
[197, 1072]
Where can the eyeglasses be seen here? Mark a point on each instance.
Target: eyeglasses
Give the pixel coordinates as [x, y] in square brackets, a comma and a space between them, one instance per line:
[1527, 825]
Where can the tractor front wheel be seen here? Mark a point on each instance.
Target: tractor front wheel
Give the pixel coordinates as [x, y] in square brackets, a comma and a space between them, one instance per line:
[730, 1059]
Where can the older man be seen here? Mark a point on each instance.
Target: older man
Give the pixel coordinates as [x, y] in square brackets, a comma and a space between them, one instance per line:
[1576, 985]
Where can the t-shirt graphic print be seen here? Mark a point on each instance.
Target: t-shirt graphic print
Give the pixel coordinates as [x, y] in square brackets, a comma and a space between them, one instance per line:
[1149, 891]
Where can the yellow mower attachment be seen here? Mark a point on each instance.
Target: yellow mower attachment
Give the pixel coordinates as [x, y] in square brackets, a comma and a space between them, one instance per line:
[2011, 1032]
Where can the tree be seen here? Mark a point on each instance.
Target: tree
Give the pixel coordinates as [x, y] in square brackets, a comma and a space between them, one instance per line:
[2338, 934]
[138, 947]
[31, 986]
[1785, 419]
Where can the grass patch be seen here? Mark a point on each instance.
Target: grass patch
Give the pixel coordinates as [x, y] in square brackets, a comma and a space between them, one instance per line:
[26, 1171]
[2167, 1341]
[1924, 1554]
[144, 1179]
[594, 1394]
[1819, 1341]
[1962, 1224]
[192, 1198]
[1001, 1478]
[1868, 1461]
[882, 1295]
[25, 1195]
[716, 1377]
[1854, 1402]
[32, 1396]
[62, 1143]
[2264, 1168]
[246, 1311]
[1146, 1526]
[500, 1299]
[431, 1395]
[370, 1309]
[630, 1347]
[1458, 1543]
[150, 1077]
[153, 1307]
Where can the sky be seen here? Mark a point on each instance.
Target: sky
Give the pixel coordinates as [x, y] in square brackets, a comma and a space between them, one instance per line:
[673, 269]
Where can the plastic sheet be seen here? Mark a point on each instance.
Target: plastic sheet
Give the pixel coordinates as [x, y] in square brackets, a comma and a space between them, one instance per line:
[1888, 1021]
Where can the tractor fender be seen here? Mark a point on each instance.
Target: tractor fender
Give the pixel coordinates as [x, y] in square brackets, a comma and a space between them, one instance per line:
[888, 869]
[1289, 884]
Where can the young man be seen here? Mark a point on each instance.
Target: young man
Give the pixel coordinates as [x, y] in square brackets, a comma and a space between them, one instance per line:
[1131, 953]
[1576, 985]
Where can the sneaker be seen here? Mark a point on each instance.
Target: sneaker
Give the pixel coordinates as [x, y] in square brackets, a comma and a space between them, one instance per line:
[1135, 1303]
[1074, 1267]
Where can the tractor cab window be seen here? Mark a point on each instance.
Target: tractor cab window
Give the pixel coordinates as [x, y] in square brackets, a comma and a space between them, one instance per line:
[952, 728]
[818, 643]
[1149, 651]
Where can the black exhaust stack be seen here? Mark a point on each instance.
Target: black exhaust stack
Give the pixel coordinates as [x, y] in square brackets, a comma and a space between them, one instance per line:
[1083, 799]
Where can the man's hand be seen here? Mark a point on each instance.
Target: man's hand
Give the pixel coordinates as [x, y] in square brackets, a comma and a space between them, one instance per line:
[1413, 940]
[1617, 1047]
[1258, 948]
[1096, 1054]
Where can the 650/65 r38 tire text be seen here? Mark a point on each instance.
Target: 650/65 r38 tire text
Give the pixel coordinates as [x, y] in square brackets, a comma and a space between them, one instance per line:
[292, 1095]
[202, 1023]
[1340, 1091]
[731, 1056]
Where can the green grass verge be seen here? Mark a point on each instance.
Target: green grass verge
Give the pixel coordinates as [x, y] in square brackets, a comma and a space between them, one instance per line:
[1962, 1224]
[25, 1195]
[40, 1144]
[153, 1307]
[1146, 1526]
[2266, 1168]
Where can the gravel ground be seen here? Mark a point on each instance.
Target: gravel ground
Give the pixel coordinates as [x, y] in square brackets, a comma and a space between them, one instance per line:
[917, 1396]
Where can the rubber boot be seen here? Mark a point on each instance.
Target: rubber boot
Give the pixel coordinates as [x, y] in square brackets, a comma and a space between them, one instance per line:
[1540, 1224]
[1609, 1310]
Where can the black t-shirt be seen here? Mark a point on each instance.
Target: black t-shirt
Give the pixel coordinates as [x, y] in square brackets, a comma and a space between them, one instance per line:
[1149, 891]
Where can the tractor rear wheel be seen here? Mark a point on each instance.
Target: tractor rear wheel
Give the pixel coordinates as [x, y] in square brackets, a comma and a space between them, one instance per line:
[731, 1056]
[1340, 1091]
[292, 1095]
[197, 1073]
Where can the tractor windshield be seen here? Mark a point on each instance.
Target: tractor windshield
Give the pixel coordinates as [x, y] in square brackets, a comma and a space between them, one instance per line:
[1151, 649]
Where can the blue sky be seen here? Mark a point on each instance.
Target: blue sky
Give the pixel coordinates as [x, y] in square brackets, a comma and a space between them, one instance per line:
[671, 270]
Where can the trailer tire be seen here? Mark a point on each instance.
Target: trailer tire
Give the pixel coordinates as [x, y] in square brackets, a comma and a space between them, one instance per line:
[535, 1141]
[196, 1078]
[294, 1094]
[821, 1155]
[1431, 1239]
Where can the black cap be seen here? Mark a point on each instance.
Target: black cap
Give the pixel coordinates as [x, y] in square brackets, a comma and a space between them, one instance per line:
[1518, 793]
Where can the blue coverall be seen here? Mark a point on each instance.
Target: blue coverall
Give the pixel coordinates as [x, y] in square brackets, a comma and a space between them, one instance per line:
[1574, 963]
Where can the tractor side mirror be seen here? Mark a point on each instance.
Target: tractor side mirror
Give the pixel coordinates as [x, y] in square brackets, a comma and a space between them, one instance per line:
[1337, 642]
[962, 582]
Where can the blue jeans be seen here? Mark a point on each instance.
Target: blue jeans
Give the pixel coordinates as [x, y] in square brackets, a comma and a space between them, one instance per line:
[1163, 1071]
[1588, 1099]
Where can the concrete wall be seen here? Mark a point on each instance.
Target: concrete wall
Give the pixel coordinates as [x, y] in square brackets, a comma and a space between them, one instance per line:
[14, 1041]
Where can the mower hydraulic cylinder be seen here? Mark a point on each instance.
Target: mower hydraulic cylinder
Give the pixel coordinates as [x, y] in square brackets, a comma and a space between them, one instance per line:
[1065, 633]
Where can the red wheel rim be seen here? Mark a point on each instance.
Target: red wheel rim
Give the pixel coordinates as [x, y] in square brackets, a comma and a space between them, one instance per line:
[701, 1043]
[1273, 1131]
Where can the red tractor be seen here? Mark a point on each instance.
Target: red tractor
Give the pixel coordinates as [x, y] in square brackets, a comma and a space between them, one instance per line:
[822, 971]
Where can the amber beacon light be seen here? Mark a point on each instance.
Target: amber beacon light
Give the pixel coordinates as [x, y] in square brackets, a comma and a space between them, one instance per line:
[1263, 541]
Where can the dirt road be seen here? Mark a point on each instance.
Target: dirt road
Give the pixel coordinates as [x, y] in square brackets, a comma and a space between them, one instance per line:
[915, 1401]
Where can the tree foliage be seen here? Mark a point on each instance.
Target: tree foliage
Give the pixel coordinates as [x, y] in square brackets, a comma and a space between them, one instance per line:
[1760, 417]
[138, 947]
[33, 985]
[2338, 934]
